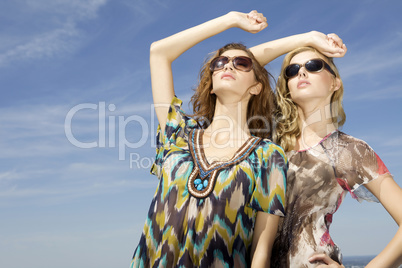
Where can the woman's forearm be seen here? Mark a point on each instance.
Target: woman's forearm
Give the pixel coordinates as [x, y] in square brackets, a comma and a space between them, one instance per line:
[330, 45]
[269, 51]
[391, 256]
[173, 46]
[390, 195]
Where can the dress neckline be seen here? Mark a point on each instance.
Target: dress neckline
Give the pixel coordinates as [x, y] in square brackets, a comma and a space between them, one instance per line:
[318, 143]
[202, 179]
[197, 151]
[200, 143]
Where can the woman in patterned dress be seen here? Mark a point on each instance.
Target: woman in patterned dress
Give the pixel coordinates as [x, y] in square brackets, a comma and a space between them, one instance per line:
[324, 165]
[221, 181]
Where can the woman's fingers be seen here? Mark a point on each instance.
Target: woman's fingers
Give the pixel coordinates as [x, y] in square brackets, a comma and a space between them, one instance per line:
[327, 261]
[338, 41]
[256, 17]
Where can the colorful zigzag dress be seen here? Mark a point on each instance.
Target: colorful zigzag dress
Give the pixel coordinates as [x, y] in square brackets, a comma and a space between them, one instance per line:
[203, 214]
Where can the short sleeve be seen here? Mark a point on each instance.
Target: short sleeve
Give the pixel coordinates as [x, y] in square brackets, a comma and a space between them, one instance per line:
[270, 189]
[362, 165]
[178, 126]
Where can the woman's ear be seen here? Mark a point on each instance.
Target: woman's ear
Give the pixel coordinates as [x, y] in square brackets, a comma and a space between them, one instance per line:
[337, 84]
[255, 90]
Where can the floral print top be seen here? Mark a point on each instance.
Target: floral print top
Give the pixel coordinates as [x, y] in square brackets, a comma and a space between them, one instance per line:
[318, 180]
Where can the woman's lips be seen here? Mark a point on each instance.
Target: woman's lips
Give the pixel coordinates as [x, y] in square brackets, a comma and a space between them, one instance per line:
[227, 75]
[303, 84]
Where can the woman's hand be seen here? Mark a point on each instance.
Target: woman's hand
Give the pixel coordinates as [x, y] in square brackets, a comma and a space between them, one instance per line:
[253, 22]
[331, 45]
[325, 259]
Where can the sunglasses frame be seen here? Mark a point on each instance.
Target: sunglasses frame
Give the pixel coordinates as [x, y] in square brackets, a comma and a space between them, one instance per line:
[324, 66]
[230, 59]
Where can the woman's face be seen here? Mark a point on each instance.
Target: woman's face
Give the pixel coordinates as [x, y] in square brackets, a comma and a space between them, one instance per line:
[231, 83]
[307, 87]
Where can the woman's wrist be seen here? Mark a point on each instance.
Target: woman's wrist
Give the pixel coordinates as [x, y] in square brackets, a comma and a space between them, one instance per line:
[307, 39]
[231, 19]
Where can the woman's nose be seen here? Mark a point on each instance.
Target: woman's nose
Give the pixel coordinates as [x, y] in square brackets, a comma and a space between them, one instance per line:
[302, 72]
[229, 65]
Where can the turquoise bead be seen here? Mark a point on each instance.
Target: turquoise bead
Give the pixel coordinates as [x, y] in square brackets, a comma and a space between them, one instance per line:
[205, 183]
[199, 187]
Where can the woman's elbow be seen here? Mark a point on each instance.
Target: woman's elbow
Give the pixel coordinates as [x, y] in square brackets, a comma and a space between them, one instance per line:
[154, 48]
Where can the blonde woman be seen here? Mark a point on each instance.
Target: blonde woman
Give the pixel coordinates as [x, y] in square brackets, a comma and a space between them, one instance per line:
[324, 165]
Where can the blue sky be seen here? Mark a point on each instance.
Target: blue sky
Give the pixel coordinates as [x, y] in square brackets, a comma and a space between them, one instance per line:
[75, 73]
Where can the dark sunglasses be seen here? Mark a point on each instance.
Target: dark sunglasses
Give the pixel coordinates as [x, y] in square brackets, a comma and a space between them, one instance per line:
[241, 63]
[313, 66]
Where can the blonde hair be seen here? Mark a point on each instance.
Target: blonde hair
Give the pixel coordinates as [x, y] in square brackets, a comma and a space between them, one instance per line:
[287, 117]
[259, 108]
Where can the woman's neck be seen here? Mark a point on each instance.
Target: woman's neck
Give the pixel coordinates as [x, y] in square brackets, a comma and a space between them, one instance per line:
[229, 122]
[314, 125]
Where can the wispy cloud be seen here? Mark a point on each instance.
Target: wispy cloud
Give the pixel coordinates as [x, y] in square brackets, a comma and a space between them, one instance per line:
[397, 141]
[45, 45]
[370, 62]
[51, 168]
[73, 9]
[54, 130]
[59, 34]
[31, 130]
[363, 58]
[381, 92]
[366, 66]
[146, 8]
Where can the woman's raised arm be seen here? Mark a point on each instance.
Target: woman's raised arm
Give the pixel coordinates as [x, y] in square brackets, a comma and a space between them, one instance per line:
[330, 45]
[165, 51]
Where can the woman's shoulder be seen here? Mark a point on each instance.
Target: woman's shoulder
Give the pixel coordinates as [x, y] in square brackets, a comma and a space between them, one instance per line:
[352, 140]
[355, 146]
[267, 142]
[269, 146]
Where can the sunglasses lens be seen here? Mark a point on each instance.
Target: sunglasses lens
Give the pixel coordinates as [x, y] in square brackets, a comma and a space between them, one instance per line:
[314, 65]
[219, 63]
[243, 63]
[292, 70]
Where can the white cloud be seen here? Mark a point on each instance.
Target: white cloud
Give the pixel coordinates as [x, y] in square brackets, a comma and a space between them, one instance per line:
[8, 175]
[379, 93]
[46, 45]
[394, 142]
[32, 130]
[49, 167]
[369, 62]
[370, 70]
[145, 8]
[73, 9]
[57, 34]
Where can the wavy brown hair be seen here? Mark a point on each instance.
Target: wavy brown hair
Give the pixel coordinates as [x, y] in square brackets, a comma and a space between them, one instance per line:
[259, 108]
[287, 128]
